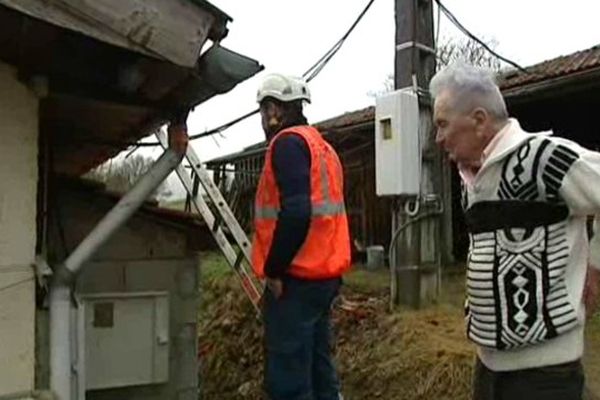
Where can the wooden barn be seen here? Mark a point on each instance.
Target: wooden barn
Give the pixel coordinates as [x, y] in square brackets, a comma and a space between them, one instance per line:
[559, 94]
[351, 135]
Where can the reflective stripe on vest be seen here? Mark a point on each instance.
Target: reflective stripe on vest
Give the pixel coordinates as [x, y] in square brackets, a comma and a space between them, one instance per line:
[327, 208]
[325, 252]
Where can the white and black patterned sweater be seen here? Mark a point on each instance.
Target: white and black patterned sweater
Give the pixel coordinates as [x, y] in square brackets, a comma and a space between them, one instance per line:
[526, 211]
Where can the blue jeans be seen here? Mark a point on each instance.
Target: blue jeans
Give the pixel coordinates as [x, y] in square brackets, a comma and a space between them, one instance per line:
[299, 364]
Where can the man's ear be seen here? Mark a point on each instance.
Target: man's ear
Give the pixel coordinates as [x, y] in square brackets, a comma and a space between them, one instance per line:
[480, 116]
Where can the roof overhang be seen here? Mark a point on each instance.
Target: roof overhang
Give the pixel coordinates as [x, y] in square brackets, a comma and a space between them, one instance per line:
[564, 75]
[97, 97]
[174, 30]
[558, 86]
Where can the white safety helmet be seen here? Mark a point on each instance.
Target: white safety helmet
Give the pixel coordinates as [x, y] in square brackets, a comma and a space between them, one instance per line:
[283, 88]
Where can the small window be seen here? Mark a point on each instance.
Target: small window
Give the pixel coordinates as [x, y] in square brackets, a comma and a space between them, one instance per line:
[104, 315]
[386, 128]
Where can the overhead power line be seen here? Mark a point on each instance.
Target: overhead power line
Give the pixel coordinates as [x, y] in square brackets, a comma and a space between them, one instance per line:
[224, 127]
[309, 75]
[15, 284]
[317, 67]
[468, 33]
[439, 24]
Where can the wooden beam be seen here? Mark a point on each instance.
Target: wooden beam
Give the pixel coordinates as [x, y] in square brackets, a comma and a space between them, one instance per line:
[86, 92]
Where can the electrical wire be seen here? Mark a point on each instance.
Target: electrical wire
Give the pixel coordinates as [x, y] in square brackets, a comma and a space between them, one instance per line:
[27, 394]
[225, 126]
[402, 228]
[12, 269]
[310, 74]
[316, 68]
[439, 24]
[17, 283]
[468, 33]
[135, 148]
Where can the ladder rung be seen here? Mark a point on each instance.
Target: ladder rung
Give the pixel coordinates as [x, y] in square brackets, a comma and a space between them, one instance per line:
[222, 215]
[238, 260]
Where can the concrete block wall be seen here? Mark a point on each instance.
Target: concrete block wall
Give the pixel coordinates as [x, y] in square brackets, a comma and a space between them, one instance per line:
[145, 255]
[18, 206]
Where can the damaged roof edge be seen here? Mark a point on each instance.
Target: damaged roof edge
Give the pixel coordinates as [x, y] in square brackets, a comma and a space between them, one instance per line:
[218, 30]
[168, 30]
[219, 71]
[214, 9]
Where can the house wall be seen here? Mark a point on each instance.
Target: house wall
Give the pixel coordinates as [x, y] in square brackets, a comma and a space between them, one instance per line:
[18, 204]
[145, 255]
[179, 278]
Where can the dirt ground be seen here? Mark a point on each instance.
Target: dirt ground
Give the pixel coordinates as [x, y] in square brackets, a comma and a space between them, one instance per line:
[380, 354]
[592, 358]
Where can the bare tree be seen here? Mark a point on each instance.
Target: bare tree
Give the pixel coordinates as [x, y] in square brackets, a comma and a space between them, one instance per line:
[468, 51]
[121, 175]
[455, 50]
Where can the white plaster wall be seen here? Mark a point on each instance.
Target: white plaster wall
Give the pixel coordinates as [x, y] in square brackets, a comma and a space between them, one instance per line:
[18, 186]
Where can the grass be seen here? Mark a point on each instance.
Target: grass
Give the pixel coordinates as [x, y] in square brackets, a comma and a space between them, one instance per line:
[374, 282]
[381, 355]
[377, 282]
[214, 267]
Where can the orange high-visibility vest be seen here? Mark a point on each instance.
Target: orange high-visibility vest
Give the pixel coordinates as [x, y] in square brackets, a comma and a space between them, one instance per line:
[326, 250]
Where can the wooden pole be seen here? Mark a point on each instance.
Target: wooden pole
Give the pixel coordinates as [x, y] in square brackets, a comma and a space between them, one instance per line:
[415, 267]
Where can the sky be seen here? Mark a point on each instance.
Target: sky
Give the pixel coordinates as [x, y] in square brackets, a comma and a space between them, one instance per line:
[289, 36]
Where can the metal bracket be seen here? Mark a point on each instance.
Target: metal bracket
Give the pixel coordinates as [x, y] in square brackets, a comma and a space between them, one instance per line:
[43, 272]
[411, 44]
[434, 201]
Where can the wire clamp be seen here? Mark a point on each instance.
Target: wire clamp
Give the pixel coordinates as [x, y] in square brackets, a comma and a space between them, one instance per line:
[411, 44]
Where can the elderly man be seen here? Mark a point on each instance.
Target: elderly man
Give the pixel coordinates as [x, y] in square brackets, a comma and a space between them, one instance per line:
[526, 198]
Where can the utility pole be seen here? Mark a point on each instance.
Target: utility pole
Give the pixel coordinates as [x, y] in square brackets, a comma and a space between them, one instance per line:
[416, 265]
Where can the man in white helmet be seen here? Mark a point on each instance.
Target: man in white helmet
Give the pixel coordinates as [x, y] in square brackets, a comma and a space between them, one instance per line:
[301, 245]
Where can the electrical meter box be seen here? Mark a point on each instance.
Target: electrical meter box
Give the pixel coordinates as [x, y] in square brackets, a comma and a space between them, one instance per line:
[397, 146]
[125, 338]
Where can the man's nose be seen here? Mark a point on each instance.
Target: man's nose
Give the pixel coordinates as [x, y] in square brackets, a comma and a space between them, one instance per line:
[439, 138]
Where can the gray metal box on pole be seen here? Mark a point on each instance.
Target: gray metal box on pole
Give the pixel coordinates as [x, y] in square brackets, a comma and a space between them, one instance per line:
[397, 147]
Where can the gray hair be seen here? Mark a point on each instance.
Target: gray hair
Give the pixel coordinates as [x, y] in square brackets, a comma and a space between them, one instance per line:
[471, 87]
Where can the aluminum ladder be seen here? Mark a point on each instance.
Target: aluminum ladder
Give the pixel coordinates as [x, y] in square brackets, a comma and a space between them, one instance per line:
[237, 252]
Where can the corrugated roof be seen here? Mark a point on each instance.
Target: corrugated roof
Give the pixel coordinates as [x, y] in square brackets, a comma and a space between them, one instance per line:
[580, 61]
[353, 118]
[573, 64]
[357, 117]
